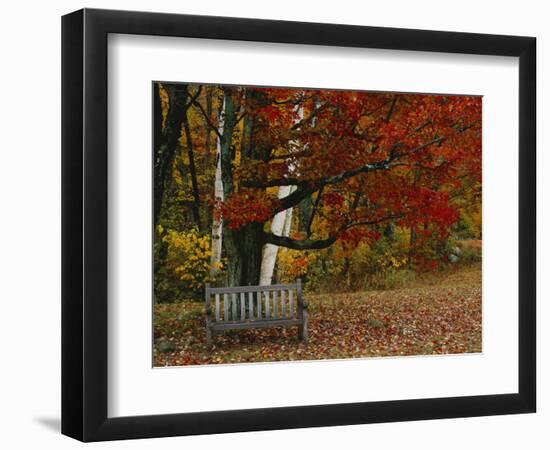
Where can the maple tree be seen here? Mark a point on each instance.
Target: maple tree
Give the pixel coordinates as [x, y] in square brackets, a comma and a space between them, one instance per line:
[371, 157]
[354, 161]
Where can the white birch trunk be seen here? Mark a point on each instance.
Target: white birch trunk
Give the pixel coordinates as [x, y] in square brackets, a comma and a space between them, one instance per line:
[269, 256]
[217, 221]
[280, 226]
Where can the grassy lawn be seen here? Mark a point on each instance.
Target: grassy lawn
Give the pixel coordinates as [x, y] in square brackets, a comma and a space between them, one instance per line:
[440, 313]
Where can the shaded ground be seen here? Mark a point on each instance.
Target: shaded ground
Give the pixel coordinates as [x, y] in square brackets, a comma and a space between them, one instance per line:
[440, 314]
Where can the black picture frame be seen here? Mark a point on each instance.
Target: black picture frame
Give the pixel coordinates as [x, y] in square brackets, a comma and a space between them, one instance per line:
[84, 224]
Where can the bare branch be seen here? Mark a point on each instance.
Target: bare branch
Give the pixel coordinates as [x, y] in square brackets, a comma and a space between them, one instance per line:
[438, 140]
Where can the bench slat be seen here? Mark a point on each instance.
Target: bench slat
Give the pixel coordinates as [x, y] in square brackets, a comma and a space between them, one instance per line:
[217, 307]
[238, 289]
[267, 306]
[283, 304]
[259, 305]
[225, 307]
[233, 306]
[243, 306]
[251, 306]
[291, 303]
[275, 305]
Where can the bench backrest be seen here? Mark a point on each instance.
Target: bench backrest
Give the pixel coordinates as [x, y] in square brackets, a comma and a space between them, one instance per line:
[251, 303]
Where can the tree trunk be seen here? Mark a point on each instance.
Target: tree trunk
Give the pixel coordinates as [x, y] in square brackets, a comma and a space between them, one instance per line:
[232, 239]
[314, 210]
[157, 117]
[157, 142]
[164, 150]
[193, 172]
[208, 147]
[412, 239]
[242, 247]
[166, 142]
[270, 251]
[304, 213]
[412, 247]
[217, 220]
[346, 271]
[244, 254]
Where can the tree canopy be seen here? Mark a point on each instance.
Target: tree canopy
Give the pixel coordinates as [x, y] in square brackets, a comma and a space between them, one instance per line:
[350, 163]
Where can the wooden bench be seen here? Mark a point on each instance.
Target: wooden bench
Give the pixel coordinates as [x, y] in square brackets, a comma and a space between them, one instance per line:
[241, 307]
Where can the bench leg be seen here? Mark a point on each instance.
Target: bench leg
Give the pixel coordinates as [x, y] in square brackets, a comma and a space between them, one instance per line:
[209, 337]
[302, 329]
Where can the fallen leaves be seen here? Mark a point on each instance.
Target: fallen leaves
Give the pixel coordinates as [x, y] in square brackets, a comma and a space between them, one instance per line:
[433, 318]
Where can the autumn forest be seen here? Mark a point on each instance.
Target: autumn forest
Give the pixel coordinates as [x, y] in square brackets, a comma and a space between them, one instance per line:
[371, 199]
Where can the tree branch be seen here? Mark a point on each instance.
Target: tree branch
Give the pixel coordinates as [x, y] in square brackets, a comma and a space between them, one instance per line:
[307, 119]
[302, 191]
[306, 188]
[315, 206]
[318, 244]
[299, 244]
[351, 173]
[193, 98]
[392, 108]
[438, 140]
[206, 118]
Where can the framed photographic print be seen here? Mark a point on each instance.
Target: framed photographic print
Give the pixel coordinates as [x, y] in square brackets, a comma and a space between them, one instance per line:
[266, 224]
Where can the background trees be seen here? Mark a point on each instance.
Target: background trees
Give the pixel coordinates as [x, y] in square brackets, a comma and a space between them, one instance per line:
[288, 182]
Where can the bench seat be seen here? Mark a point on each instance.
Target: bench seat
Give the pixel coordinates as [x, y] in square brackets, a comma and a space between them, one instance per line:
[254, 324]
[244, 307]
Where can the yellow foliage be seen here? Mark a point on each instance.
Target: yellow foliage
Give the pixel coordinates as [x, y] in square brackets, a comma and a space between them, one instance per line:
[188, 257]
[293, 264]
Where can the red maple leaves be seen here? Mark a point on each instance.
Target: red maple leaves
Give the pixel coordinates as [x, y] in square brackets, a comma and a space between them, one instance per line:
[423, 150]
